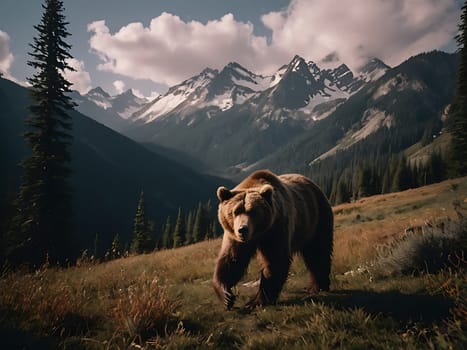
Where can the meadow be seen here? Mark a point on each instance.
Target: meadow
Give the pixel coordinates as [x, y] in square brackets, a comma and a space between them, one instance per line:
[164, 300]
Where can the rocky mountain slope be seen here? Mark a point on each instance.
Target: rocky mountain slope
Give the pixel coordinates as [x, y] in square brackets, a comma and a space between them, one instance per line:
[112, 111]
[215, 112]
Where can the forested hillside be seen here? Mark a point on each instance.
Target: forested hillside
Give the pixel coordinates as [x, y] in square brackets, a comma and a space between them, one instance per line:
[108, 173]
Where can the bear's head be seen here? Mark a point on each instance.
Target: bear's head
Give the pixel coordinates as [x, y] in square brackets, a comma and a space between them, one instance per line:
[246, 214]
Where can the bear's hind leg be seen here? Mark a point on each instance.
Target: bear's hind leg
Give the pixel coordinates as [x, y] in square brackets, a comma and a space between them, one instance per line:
[317, 258]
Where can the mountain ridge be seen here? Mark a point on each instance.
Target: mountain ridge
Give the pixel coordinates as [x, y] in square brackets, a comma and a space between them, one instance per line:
[235, 85]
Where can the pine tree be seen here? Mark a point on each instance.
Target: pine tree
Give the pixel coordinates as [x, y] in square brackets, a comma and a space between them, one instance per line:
[388, 176]
[333, 194]
[402, 176]
[142, 240]
[212, 231]
[166, 241]
[189, 228]
[198, 223]
[42, 223]
[179, 230]
[115, 248]
[364, 182]
[342, 192]
[202, 222]
[139, 226]
[459, 128]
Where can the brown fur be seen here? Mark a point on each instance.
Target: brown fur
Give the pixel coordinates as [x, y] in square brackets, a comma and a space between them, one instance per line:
[275, 216]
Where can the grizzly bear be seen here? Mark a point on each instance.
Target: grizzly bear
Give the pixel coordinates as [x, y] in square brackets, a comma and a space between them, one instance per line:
[275, 217]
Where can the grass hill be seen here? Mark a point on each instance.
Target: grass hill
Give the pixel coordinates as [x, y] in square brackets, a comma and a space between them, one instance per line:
[165, 299]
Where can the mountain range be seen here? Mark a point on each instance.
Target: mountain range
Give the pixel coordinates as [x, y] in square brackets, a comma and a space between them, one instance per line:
[112, 111]
[233, 121]
[215, 111]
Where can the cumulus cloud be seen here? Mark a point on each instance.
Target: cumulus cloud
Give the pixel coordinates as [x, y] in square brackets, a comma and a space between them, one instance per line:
[80, 78]
[119, 86]
[355, 30]
[170, 49]
[6, 57]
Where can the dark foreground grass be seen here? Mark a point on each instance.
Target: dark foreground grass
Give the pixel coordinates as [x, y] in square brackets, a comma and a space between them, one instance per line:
[422, 312]
[400, 313]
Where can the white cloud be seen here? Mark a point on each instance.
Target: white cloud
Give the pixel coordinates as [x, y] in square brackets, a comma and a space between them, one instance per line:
[170, 49]
[358, 29]
[119, 86]
[80, 78]
[6, 57]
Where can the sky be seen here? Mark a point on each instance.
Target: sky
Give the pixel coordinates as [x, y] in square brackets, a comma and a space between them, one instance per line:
[150, 45]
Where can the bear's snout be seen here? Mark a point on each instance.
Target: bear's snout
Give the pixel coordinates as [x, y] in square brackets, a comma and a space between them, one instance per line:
[243, 232]
[242, 228]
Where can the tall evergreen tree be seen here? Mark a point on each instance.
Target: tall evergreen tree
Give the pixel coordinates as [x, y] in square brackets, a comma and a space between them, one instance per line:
[142, 240]
[179, 230]
[388, 176]
[189, 228]
[198, 224]
[402, 176]
[115, 252]
[342, 192]
[459, 128]
[202, 220]
[332, 195]
[139, 224]
[42, 223]
[166, 241]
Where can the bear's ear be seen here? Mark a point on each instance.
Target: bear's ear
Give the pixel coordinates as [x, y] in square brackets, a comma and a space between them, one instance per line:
[223, 193]
[266, 192]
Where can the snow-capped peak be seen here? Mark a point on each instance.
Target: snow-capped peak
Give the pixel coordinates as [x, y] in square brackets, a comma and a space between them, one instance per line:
[99, 97]
[372, 70]
[124, 104]
[234, 84]
[98, 91]
[298, 85]
[127, 103]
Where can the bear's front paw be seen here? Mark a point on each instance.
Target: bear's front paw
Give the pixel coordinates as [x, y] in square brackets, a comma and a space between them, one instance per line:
[229, 299]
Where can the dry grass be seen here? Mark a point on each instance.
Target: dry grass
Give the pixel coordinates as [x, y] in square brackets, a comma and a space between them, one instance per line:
[143, 309]
[41, 300]
[362, 226]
